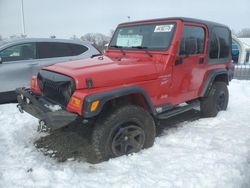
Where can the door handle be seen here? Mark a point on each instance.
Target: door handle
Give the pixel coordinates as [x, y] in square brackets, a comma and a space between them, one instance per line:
[178, 61]
[201, 60]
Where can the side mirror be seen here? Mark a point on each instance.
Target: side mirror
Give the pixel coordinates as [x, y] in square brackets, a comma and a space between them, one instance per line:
[188, 46]
[1, 61]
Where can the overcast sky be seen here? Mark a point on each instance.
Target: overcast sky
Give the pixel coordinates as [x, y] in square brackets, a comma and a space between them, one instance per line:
[64, 18]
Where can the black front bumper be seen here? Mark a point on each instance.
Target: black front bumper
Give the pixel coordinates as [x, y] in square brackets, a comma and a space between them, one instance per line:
[42, 109]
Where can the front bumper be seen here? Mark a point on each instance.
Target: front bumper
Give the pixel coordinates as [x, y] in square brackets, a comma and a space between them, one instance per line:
[51, 114]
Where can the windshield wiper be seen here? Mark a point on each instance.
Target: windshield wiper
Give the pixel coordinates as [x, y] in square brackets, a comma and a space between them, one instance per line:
[145, 48]
[120, 47]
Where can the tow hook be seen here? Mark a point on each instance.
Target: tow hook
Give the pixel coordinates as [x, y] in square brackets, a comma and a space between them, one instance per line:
[42, 127]
[20, 108]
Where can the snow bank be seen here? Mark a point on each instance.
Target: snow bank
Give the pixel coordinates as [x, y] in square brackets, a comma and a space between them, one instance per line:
[213, 152]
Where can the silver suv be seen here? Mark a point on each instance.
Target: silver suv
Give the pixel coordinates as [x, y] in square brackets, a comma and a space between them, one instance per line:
[20, 59]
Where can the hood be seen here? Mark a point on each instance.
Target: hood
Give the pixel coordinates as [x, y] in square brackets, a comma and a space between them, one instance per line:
[106, 72]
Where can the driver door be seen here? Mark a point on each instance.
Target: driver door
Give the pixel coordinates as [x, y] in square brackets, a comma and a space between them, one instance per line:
[189, 67]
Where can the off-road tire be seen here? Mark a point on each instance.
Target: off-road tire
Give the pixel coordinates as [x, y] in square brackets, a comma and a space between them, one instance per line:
[107, 124]
[217, 100]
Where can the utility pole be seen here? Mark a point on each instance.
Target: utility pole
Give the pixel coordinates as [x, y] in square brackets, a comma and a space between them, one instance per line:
[23, 23]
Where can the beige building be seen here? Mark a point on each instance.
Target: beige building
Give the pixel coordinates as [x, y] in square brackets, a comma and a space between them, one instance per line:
[241, 50]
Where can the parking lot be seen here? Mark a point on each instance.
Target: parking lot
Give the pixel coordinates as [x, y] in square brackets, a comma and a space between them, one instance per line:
[188, 152]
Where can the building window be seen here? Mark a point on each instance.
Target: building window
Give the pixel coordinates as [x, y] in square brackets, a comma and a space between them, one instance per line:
[247, 57]
[235, 52]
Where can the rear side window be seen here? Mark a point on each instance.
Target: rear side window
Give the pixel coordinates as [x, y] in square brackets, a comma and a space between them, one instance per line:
[77, 49]
[219, 43]
[193, 33]
[57, 49]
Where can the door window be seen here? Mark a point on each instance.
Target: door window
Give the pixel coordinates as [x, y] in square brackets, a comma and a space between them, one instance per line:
[194, 36]
[19, 52]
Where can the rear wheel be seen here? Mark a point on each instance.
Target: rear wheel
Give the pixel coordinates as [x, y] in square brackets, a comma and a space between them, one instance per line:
[126, 130]
[217, 100]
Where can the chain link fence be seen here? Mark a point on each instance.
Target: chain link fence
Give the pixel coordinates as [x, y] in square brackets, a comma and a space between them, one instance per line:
[242, 72]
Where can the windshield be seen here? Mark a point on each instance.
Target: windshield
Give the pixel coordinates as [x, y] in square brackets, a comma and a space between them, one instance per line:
[156, 36]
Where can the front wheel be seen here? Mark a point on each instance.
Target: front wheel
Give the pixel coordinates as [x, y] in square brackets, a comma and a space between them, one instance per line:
[217, 100]
[126, 130]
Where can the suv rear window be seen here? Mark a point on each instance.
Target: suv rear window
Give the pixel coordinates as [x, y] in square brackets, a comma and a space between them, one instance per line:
[219, 43]
[57, 49]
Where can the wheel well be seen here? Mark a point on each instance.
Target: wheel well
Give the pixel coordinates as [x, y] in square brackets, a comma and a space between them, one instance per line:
[222, 78]
[136, 99]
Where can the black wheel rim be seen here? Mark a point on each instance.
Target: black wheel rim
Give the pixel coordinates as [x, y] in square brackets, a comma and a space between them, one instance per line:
[220, 102]
[127, 139]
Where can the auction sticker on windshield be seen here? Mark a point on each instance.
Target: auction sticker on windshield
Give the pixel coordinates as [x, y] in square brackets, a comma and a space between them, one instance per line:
[164, 28]
[129, 40]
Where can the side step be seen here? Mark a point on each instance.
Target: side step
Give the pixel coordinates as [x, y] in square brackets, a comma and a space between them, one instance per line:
[178, 110]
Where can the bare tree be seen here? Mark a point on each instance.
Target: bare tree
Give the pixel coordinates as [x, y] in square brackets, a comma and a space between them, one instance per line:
[74, 37]
[52, 36]
[234, 32]
[20, 36]
[244, 33]
[97, 39]
[15, 37]
[111, 32]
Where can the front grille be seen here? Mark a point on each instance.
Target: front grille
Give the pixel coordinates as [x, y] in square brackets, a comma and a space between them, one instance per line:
[56, 87]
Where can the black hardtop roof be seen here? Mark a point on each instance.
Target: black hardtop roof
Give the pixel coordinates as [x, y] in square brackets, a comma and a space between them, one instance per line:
[209, 24]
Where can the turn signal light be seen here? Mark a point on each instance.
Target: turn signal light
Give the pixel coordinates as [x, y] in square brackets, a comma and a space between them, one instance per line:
[75, 102]
[34, 86]
[94, 105]
[34, 82]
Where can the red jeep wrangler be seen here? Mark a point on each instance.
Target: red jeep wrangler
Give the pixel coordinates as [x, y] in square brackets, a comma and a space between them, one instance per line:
[152, 70]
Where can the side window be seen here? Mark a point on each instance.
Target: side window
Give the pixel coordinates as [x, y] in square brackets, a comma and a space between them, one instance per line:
[194, 34]
[53, 49]
[77, 49]
[59, 49]
[44, 50]
[220, 43]
[214, 47]
[19, 52]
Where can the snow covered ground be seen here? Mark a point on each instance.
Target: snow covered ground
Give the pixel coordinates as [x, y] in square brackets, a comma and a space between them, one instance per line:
[213, 152]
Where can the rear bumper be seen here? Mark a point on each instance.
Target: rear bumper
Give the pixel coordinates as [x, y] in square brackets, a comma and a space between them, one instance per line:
[53, 116]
